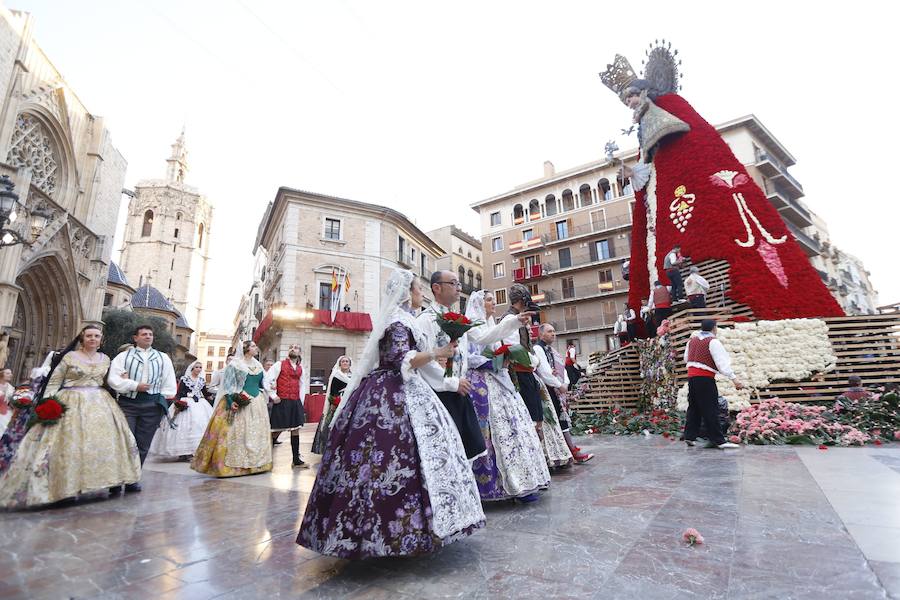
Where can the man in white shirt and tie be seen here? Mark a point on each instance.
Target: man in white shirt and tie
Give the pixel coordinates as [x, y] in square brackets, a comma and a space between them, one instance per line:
[144, 379]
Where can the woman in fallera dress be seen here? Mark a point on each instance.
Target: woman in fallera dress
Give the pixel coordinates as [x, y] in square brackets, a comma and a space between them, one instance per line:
[15, 430]
[514, 466]
[394, 479]
[337, 383]
[181, 430]
[89, 449]
[237, 440]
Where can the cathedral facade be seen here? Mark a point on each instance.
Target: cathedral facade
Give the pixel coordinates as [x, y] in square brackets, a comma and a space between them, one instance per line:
[65, 169]
[166, 242]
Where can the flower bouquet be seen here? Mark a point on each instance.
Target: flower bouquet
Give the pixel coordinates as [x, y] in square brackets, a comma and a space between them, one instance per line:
[335, 400]
[455, 326]
[180, 404]
[23, 398]
[514, 353]
[48, 411]
[235, 402]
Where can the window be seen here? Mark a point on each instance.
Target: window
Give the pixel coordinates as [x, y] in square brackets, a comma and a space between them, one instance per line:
[565, 258]
[606, 280]
[470, 278]
[586, 195]
[221, 350]
[200, 232]
[530, 261]
[499, 270]
[601, 250]
[423, 263]
[469, 254]
[550, 205]
[497, 244]
[568, 200]
[518, 214]
[209, 366]
[605, 189]
[324, 295]
[500, 297]
[462, 274]
[534, 210]
[176, 233]
[570, 315]
[533, 289]
[148, 224]
[562, 230]
[178, 339]
[568, 287]
[170, 283]
[598, 220]
[495, 219]
[459, 250]
[478, 280]
[401, 249]
[527, 234]
[178, 216]
[608, 307]
[462, 304]
[210, 351]
[332, 229]
[478, 258]
[221, 364]
[412, 256]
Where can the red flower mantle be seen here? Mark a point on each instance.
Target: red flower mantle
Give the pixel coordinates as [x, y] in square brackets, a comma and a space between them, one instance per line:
[690, 159]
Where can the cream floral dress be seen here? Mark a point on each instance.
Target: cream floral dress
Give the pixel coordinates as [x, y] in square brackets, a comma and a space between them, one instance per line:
[89, 449]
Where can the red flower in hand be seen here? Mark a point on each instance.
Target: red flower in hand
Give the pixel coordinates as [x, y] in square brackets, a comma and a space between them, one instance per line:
[49, 410]
[502, 350]
[823, 447]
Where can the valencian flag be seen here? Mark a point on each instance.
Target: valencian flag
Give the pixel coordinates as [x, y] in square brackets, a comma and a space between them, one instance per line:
[334, 282]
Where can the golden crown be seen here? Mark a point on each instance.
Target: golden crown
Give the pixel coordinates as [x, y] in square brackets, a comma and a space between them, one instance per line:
[619, 75]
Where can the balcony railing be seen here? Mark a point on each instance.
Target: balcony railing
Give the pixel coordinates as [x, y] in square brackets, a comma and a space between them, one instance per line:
[781, 170]
[547, 234]
[810, 245]
[786, 203]
[526, 273]
[582, 292]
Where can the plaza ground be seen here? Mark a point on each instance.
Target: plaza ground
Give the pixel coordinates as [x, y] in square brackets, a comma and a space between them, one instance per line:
[778, 522]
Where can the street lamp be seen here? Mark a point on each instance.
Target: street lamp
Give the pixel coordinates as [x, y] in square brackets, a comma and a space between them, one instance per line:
[9, 201]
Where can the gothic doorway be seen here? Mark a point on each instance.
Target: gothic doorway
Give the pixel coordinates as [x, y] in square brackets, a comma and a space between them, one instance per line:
[47, 314]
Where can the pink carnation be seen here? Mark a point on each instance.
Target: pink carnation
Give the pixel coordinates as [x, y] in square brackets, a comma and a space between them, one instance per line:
[692, 537]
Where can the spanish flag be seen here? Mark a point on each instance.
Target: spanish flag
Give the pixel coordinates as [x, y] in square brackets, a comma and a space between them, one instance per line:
[346, 283]
[334, 283]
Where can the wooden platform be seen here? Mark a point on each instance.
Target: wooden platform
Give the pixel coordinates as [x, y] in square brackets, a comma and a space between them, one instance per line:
[866, 345]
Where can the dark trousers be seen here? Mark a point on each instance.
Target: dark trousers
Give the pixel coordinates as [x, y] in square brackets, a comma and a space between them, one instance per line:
[462, 411]
[659, 315]
[703, 406]
[531, 394]
[574, 374]
[697, 301]
[557, 405]
[674, 276]
[143, 415]
[632, 330]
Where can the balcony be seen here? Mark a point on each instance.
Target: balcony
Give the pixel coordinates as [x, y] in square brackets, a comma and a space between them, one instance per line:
[809, 244]
[526, 273]
[567, 295]
[547, 234]
[789, 208]
[524, 245]
[771, 167]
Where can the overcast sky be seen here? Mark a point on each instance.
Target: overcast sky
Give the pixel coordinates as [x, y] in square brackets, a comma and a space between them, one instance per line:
[419, 105]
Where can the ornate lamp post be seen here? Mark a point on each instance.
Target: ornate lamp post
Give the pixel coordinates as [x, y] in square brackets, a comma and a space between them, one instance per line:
[9, 202]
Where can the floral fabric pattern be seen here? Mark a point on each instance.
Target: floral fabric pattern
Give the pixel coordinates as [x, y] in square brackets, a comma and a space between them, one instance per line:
[394, 480]
[556, 451]
[90, 449]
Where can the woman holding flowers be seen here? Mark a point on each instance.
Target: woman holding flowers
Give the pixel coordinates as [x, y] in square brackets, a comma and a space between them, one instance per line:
[237, 440]
[337, 383]
[78, 440]
[514, 466]
[394, 479]
[181, 430]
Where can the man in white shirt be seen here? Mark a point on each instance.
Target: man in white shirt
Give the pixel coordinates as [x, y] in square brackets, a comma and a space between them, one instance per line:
[706, 357]
[144, 379]
[695, 286]
[216, 380]
[287, 384]
[453, 390]
[630, 323]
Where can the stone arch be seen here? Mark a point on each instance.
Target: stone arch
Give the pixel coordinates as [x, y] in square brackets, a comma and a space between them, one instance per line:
[584, 192]
[50, 307]
[65, 191]
[147, 226]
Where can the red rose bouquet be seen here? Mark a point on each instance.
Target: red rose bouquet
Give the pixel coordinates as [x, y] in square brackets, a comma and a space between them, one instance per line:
[235, 402]
[180, 404]
[22, 398]
[455, 326]
[48, 411]
[335, 400]
[514, 353]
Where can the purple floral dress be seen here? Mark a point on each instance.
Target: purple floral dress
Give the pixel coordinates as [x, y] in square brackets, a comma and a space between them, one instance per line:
[371, 497]
[16, 429]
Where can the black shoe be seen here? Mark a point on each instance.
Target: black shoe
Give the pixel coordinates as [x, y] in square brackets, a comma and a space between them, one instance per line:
[276, 442]
[298, 462]
[133, 487]
[115, 490]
